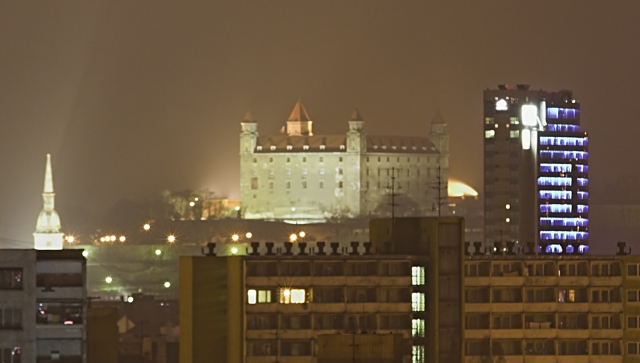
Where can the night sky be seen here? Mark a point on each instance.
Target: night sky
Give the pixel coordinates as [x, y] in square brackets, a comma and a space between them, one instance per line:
[132, 97]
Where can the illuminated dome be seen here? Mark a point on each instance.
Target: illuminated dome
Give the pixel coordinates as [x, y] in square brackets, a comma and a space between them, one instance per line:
[459, 189]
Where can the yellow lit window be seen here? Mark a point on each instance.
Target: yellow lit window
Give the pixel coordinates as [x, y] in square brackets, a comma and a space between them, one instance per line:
[293, 296]
[252, 297]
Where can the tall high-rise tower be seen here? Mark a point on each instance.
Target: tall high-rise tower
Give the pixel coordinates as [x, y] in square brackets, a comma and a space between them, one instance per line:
[535, 170]
[47, 235]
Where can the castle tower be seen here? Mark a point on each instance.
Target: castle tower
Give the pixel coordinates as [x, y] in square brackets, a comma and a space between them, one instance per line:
[248, 141]
[440, 138]
[356, 147]
[299, 122]
[47, 235]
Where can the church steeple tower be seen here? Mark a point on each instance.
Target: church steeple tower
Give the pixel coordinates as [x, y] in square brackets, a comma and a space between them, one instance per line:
[47, 235]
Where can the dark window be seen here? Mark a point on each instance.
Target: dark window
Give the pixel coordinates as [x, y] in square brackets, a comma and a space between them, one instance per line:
[261, 322]
[395, 321]
[10, 355]
[295, 348]
[295, 269]
[361, 294]
[395, 269]
[394, 295]
[327, 321]
[254, 183]
[67, 313]
[11, 279]
[329, 269]
[261, 347]
[362, 269]
[262, 269]
[10, 318]
[59, 280]
[295, 322]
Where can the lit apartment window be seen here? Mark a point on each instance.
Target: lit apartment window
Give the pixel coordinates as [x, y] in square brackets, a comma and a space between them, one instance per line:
[292, 296]
[417, 354]
[417, 301]
[417, 275]
[489, 134]
[633, 348]
[258, 296]
[417, 328]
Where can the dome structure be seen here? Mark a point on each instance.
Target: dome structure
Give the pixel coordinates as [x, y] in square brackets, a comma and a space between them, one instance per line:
[460, 190]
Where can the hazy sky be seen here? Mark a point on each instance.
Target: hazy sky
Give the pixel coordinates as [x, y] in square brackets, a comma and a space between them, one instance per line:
[132, 97]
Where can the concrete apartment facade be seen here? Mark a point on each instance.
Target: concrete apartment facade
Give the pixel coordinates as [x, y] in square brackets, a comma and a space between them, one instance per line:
[300, 176]
[42, 304]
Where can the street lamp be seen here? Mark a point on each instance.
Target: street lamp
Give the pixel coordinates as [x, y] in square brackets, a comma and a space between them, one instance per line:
[171, 238]
[70, 239]
[146, 226]
[167, 284]
[249, 235]
[108, 279]
[122, 238]
[158, 252]
[302, 234]
[234, 250]
[235, 238]
[293, 237]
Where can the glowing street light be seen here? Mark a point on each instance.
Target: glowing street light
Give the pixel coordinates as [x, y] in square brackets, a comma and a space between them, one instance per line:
[249, 235]
[167, 284]
[293, 237]
[146, 226]
[112, 238]
[234, 250]
[158, 252]
[237, 207]
[235, 238]
[122, 238]
[171, 238]
[302, 234]
[70, 239]
[130, 299]
[101, 239]
[191, 204]
[108, 279]
[85, 253]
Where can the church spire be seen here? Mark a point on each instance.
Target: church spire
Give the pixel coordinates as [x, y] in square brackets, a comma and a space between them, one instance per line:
[47, 235]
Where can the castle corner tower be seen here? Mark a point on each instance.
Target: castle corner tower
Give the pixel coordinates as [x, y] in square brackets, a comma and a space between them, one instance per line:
[47, 235]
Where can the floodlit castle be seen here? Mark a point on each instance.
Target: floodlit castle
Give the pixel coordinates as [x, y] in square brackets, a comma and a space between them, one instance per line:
[300, 176]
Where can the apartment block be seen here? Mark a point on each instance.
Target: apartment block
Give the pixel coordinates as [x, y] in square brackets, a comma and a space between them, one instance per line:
[42, 306]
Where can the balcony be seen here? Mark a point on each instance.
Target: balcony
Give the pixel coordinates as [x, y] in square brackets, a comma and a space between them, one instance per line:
[606, 333]
[615, 307]
[477, 307]
[540, 307]
[59, 331]
[540, 281]
[573, 281]
[54, 293]
[477, 333]
[507, 333]
[477, 281]
[539, 331]
[573, 307]
[516, 307]
[573, 333]
[606, 281]
[573, 359]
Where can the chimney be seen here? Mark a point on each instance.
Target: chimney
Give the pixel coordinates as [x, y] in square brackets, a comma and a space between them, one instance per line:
[320, 248]
[354, 248]
[510, 250]
[477, 248]
[367, 248]
[269, 246]
[621, 249]
[287, 247]
[211, 247]
[254, 248]
[467, 245]
[334, 248]
[503, 87]
[302, 246]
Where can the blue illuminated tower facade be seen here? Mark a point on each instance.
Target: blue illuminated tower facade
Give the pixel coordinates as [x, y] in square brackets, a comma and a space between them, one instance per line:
[536, 171]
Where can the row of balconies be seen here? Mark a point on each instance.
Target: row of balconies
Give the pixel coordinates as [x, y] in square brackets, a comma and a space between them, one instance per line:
[304, 281]
[533, 307]
[543, 333]
[511, 280]
[312, 334]
[551, 359]
[330, 308]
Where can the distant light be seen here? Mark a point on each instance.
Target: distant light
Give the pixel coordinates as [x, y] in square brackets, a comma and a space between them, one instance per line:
[167, 284]
[249, 235]
[146, 226]
[192, 203]
[196, 199]
[237, 207]
[235, 238]
[529, 115]
[68, 322]
[508, 206]
[508, 220]
[101, 239]
[130, 299]
[171, 238]
[526, 139]
[122, 238]
[158, 252]
[293, 209]
[113, 238]
[108, 279]
[286, 292]
[302, 234]
[293, 237]
[70, 239]
[85, 253]
[234, 250]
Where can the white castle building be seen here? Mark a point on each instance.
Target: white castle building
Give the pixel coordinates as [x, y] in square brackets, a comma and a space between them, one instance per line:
[47, 235]
[300, 176]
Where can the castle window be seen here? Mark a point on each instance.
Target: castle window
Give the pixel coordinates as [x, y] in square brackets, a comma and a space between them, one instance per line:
[259, 148]
[387, 159]
[304, 184]
[289, 147]
[321, 184]
[367, 159]
[305, 147]
[304, 160]
[378, 159]
[288, 185]
[321, 171]
[288, 160]
[321, 147]
[254, 183]
[341, 147]
[340, 185]
[340, 159]
[339, 171]
[273, 147]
